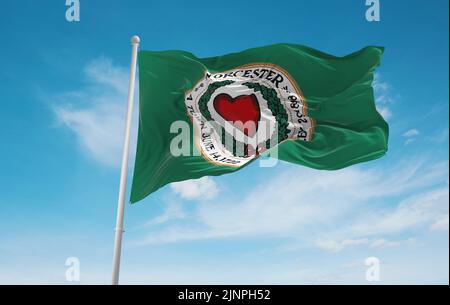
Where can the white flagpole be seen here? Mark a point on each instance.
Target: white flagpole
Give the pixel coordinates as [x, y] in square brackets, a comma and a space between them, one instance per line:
[123, 173]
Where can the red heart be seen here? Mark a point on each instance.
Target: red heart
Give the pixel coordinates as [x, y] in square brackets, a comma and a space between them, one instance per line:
[239, 110]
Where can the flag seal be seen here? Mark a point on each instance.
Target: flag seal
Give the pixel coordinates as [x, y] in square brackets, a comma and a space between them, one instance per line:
[240, 113]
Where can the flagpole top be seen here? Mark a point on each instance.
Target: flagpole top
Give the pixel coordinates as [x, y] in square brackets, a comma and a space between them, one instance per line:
[135, 39]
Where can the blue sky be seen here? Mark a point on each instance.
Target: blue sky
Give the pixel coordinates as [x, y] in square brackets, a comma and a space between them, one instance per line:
[62, 94]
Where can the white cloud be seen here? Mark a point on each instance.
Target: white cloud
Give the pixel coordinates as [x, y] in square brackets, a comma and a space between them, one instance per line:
[98, 130]
[330, 210]
[383, 96]
[96, 113]
[409, 141]
[440, 224]
[204, 187]
[337, 246]
[383, 243]
[385, 112]
[102, 71]
[411, 133]
[414, 211]
[382, 90]
[174, 210]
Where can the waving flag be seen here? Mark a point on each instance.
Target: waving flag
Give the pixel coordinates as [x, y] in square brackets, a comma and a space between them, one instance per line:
[290, 101]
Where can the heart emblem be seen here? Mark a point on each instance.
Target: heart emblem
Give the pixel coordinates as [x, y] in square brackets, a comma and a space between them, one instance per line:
[242, 110]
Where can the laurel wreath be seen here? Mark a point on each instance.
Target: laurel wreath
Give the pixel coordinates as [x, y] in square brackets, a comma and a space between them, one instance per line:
[273, 102]
[278, 111]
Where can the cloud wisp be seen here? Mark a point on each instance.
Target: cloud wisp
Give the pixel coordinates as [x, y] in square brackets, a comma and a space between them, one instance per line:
[350, 207]
[383, 96]
[204, 187]
[411, 135]
[96, 113]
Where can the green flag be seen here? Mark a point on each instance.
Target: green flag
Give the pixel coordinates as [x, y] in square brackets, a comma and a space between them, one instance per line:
[212, 116]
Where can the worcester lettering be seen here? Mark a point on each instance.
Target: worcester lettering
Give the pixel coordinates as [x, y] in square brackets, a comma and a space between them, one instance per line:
[267, 74]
